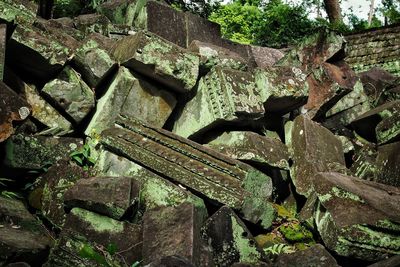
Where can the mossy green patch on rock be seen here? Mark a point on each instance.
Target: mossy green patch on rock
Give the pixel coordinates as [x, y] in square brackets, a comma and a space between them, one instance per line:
[295, 232]
[98, 222]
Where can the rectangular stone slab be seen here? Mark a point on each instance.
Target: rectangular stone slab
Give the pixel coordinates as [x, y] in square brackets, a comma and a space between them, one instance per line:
[158, 59]
[192, 165]
[223, 96]
[3, 36]
[315, 149]
[172, 231]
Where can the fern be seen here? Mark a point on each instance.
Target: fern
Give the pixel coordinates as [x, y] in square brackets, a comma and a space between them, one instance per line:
[278, 249]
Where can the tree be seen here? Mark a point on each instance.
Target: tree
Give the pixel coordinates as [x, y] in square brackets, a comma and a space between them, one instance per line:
[391, 11]
[371, 12]
[332, 8]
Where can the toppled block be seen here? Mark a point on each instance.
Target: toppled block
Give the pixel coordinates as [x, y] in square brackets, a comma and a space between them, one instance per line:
[381, 124]
[282, 88]
[154, 191]
[358, 218]
[158, 59]
[36, 152]
[224, 96]
[376, 82]
[132, 97]
[58, 179]
[18, 11]
[45, 113]
[316, 255]
[230, 239]
[212, 55]
[22, 236]
[110, 196]
[92, 59]
[388, 164]
[36, 54]
[216, 176]
[3, 38]
[252, 147]
[364, 161]
[116, 11]
[265, 57]
[315, 149]
[12, 108]
[327, 84]
[314, 51]
[172, 231]
[391, 262]
[92, 23]
[71, 94]
[88, 239]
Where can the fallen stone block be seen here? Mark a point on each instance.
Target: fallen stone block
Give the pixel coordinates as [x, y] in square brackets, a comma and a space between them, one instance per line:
[158, 59]
[391, 262]
[110, 196]
[71, 94]
[155, 191]
[22, 236]
[92, 23]
[36, 152]
[57, 180]
[252, 147]
[315, 149]
[3, 39]
[212, 55]
[90, 239]
[45, 113]
[131, 97]
[264, 56]
[18, 11]
[224, 96]
[388, 164]
[314, 51]
[230, 239]
[357, 218]
[12, 108]
[364, 161]
[37, 55]
[282, 89]
[381, 124]
[316, 255]
[116, 11]
[92, 59]
[376, 82]
[173, 231]
[328, 83]
[216, 176]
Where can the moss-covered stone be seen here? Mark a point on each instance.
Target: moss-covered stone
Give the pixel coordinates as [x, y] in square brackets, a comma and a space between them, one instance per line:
[3, 36]
[158, 59]
[231, 240]
[36, 152]
[357, 218]
[252, 147]
[71, 94]
[295, 232]
[224, 96]
[45, 113]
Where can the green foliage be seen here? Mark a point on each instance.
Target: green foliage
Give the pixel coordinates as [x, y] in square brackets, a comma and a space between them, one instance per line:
[5, 193]
[278, 249]
[391, 11]
[83, 157]
[239, 23]
[72, 8]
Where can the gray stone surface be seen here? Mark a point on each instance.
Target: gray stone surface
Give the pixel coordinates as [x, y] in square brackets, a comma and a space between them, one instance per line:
[224, 95]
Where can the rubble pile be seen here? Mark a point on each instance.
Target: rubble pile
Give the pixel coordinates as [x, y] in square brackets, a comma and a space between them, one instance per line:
[137, 136]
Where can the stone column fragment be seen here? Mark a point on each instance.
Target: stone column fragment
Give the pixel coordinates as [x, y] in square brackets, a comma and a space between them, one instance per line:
[190, 164]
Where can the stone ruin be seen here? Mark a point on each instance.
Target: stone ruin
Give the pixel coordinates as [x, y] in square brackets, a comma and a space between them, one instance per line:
[137, 136]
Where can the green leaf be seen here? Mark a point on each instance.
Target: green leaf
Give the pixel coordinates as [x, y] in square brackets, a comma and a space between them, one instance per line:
[78, 159]
[111, 248]
[88, 252]
[135, 264]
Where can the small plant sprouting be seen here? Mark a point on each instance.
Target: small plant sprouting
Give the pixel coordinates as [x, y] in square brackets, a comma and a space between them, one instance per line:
[6, 193]
[278, 249]
[83, 157]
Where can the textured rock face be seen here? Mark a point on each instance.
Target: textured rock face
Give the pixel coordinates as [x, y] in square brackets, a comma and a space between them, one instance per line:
[22, 236]
[173, 231]
[12, 108]
[219, 178]
[294, 149]
[357, 217]
[223, 96]
[252, 147]
[131, 97]
[315, 149]
[158, 59]
[231, 240]
[71, 94]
